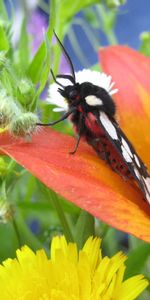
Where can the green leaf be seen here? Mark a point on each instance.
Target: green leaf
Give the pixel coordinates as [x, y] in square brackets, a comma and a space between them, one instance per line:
[60, 16]
[35, 68]
[4, 43]
[36, 65]
[110, 242]
[42, 76]
[3, 11]
[137, 259]
[84, 228]
[46, 66]
[24, 233]
[9, 244]
[61, 214]
[24, 47]
[67, 11]
[7, 81]
[91, 18]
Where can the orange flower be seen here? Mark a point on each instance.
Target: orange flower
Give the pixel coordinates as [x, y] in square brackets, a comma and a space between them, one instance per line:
[83, 178]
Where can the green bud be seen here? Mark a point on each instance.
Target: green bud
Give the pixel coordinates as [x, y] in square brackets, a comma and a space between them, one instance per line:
[24, 125]
[145, 43]
[145, 36]
[114, 3]
[5, 211]
[25, 86]
[8, 109]
[26, 91]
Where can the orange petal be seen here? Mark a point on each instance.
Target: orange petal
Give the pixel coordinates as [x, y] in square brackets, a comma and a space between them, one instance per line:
[131, 72]
[83, 179]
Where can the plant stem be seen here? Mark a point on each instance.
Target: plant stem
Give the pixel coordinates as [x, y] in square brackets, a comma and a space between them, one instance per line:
[57, 204]
[44, 6]
[109, 32]
[77, 48]
[89, 33]
[16, 231]
[11, 165]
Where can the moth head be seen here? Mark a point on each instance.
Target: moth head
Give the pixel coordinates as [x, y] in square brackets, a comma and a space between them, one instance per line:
[71, 93]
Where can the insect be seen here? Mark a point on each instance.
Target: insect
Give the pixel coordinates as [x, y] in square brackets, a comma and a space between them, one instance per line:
[92, 111]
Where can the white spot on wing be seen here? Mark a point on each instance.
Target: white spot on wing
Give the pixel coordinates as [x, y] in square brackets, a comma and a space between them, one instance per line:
[147, 183]
[93, 100]
[137, 161]
[126, 155]
[126, 146]
[147, 197]
[108, 126]
[137, 173]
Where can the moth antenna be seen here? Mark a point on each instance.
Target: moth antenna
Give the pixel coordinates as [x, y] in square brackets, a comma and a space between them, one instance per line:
[67, 57]
[65, 76]
[55, 79]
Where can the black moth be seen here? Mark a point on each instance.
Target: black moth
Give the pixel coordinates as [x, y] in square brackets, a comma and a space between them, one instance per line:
[92, 111]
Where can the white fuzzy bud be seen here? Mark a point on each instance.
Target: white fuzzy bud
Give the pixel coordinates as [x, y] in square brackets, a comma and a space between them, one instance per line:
[24, 125]
[8, 109]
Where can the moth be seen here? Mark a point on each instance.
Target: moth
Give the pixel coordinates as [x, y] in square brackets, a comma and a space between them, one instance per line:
[92, 112]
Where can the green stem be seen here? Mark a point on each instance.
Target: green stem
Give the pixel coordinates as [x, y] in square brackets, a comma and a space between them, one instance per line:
[57, 204]
[31, 186]
[16, 231]
[24, 6]
[77, 48]
[111, 38]
[3, 190]
[55, 24]
[84, 228]
[89, 33]
[11, 166]
[44, 6]
[102, 15]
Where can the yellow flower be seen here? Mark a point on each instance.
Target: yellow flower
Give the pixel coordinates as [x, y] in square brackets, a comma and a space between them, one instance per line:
[68, 275]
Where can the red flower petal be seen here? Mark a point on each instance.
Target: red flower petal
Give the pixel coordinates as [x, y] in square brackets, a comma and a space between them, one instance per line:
[83, 179]
[131, 72]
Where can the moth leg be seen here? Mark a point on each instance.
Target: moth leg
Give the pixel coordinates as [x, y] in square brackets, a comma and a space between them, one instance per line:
[65, 116]
[76, 145]
[80, 131]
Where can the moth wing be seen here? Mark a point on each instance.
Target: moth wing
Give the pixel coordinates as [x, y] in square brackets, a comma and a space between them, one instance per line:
[126, 152]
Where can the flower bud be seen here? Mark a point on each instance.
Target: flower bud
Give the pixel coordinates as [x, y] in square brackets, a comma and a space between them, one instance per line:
[5, 211]
[8, 108]
[24, 125]
[145, 43]
[114, 3]
[26, 91]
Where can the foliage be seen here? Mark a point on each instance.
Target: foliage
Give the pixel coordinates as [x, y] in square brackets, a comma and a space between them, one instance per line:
[30, 213]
